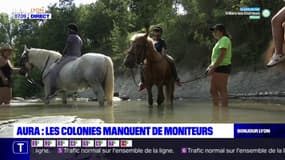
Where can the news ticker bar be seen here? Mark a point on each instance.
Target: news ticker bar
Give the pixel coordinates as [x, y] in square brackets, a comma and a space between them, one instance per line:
[179, 130]
[153, 149]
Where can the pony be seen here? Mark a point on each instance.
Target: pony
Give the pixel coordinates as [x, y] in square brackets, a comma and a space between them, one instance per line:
[156, 68]
[90, 70]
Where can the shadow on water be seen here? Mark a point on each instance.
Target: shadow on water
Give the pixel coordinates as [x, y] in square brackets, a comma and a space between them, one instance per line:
[220, 114]
[186, 111]
[161, 112]
[90, 111]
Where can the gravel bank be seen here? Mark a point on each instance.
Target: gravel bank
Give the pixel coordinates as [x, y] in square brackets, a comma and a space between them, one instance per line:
[240, 82]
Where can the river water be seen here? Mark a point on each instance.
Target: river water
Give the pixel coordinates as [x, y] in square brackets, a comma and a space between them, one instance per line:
[186, 111]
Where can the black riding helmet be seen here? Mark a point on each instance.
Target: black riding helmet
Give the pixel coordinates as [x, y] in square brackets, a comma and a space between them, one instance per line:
[158, 29]
[73, 26]
[218, 27]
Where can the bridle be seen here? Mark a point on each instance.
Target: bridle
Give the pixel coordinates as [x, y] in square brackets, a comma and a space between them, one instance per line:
[139, 62]
[24, 60]
[144, 54]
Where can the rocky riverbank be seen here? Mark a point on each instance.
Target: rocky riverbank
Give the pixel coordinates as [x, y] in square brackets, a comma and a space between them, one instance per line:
[263, 83]
[241, 84]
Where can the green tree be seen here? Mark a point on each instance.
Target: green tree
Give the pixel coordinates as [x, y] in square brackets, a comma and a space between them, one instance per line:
[8, 28]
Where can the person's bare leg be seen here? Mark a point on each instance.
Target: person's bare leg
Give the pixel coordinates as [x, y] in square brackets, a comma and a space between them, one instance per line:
[222, 87]
[214, 91]
[8, 95]
[225, 114]
[2, 94]
[278, 31]
[216, 113]
[5, 95]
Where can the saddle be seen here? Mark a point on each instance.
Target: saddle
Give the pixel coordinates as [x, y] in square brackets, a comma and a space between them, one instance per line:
[56, 67]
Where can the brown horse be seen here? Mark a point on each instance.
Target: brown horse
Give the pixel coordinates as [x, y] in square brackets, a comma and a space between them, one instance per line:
[156, 68]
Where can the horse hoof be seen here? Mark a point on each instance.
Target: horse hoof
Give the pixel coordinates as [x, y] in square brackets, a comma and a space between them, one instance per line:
[159, 103]
[46, 102]
[110, 103]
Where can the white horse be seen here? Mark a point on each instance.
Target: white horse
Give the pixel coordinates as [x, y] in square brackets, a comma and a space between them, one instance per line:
[90, 70]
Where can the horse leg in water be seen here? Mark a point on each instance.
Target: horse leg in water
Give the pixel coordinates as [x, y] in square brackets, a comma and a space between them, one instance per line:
[160, 96]
[149, 93]
[170, 93]
[64, 97]
[74, 96]
[99, 92]
[46, 90]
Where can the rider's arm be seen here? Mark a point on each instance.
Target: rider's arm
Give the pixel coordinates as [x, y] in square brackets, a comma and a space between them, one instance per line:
[163, 51]
[164, 48]
[15, 69]
[67, 45]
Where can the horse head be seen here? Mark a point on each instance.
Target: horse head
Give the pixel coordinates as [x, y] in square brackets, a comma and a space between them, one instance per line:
[138, 50]
[38, 58]
[25, 64]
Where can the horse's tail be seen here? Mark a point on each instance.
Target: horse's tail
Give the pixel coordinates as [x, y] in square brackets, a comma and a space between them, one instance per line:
[109, 81]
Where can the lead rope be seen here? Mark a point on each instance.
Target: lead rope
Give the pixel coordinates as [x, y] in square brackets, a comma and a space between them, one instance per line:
[202, 76]
[134, 78]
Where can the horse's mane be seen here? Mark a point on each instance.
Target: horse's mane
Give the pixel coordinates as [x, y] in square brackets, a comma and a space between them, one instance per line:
[45, 51]
[137, 35]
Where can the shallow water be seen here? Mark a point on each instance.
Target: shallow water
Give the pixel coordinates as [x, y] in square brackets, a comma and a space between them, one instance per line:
[189, 111]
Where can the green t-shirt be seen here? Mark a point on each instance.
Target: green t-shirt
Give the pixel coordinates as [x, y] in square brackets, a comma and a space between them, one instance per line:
[223, 42]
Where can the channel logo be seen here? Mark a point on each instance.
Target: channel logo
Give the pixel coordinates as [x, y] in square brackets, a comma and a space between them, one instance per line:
[20, 147]
[266, 13]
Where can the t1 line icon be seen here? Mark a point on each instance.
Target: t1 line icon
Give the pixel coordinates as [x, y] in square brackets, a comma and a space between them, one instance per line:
[20, 147]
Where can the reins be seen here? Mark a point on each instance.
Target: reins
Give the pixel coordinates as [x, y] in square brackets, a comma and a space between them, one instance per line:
[134, 78]
[39, 83]
[202, 76]
[45, 66]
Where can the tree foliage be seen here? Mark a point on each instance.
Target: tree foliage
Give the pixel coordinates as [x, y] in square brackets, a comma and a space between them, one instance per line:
[105, 26]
